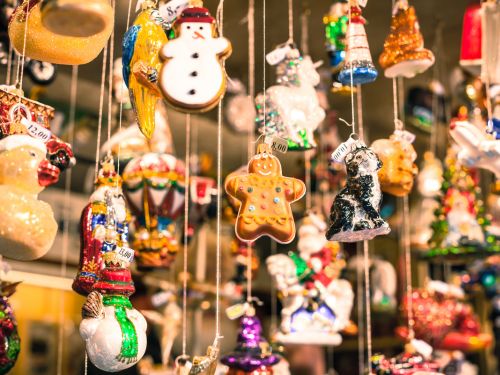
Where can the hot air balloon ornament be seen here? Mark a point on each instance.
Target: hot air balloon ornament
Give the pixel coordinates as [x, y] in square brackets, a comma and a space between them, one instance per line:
[404, 54]
[316, 302]
[291, 109]
[358, 62]
[31, 159]
[9, 337]
[154, 187]
[103, 226]
[141, 64]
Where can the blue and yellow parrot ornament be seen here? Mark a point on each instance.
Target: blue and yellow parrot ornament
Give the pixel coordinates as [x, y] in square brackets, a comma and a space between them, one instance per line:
[141, 63]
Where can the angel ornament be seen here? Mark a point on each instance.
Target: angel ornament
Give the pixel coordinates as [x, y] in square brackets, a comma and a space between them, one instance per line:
[355, 211]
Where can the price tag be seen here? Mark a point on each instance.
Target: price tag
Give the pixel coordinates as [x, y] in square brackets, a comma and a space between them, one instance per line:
[171, 10]
[36, 130]
[237, 311]
[125, 254]
[344, 148]
[160, 298]
[362, 3]
[405, 135]
[277, 55]
[277, 144]
[422, 347]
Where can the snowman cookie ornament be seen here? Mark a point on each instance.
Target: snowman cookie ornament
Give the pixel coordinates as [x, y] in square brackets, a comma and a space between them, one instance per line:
[193, 78]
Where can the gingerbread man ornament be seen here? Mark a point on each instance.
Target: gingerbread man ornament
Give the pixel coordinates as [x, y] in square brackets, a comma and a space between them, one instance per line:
[265, 196]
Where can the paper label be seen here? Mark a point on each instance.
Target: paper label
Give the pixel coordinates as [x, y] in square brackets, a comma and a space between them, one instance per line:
[236, 311]
[405, 135]
[125, 254]
[277, 55]
[422, 347]
[277, 144]
[362, 3]
[171, 10]
[36, 130]
[344, 148]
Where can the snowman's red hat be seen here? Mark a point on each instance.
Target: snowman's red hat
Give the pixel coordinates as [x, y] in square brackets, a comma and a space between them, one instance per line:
[195, 14]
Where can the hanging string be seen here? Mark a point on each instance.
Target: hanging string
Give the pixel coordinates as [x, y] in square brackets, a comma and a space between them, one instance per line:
[186, 222]
[266, 126]
[435, 99]
[110, 79]
[401, 99]
[101, 103]
[290, 21]
[249, 271]
[350, 37]
[366, 261]
[304, 36]
[120, 116]
[22, 60]
[274, 297]
[66, 217]
[86, 364]
[307, 165]
[361, 331]
[359, 98]
[251, 67]
[220, 23]
[407, 252]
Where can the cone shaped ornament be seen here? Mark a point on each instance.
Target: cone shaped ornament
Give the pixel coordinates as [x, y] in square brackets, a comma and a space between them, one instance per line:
[358, 57]
[404, 54]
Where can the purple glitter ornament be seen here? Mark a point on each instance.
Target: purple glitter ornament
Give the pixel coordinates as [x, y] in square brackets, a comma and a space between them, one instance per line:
[252, 351]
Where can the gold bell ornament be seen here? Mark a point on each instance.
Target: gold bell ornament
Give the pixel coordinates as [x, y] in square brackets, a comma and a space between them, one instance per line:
[398, 164]
[404, 54]
[28, 33]
[76, 17]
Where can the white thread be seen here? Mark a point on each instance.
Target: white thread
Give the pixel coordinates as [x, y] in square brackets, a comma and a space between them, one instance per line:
[251, 67]
[359, 97]
[120, 116]
[407, 251]
[110, 79]
[307, 165]
[23, 57]
[66, 216]
[274, 302]
[86, 363]
[361, 331]
[101, 103]
[366, 262]
[290, 21]
[249, 272]
[351, 75]
[304, 36]
[220, 16]
[185, 244]
[264, 65]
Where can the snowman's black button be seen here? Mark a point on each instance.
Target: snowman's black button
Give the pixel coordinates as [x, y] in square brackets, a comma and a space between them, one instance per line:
[194, 74]
[195, 55]
[192, 92]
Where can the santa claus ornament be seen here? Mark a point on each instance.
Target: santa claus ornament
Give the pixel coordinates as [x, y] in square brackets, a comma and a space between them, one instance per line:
[404, 54]
[113, 331]
[358, 66]
[253, 355]
[103, 227]
[398, 163]
[316, 302]
[354, 214]
[265, 196]
[141, 65]
[193, 78]
[31, 158]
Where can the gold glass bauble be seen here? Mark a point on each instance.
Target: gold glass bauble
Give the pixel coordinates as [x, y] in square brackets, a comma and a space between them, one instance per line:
[43, 44]
[404, 54]
[76, 17]
[398, 165]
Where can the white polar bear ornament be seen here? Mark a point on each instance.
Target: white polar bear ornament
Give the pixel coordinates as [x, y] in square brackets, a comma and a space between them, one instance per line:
[114, 332]
[192, 78]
